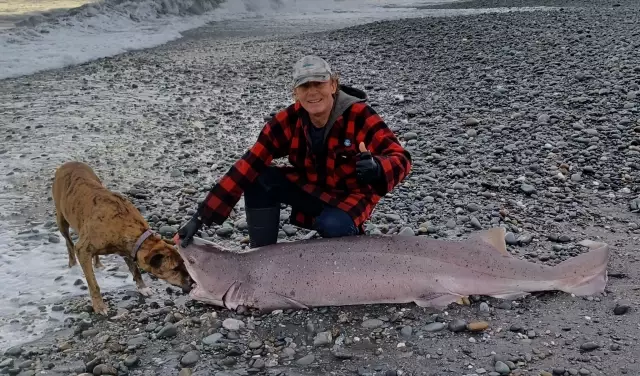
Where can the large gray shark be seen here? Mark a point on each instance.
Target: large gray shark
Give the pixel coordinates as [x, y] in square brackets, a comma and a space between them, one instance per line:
[368, 269]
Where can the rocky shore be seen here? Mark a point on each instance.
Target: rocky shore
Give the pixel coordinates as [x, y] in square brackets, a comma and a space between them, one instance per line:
[528, 120]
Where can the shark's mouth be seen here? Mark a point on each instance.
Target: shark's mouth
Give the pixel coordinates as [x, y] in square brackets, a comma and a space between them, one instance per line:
[195, 285]
[188, 264]
[197, 292]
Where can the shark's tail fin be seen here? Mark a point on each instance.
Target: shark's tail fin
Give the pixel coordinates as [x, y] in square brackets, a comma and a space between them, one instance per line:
[585, 274]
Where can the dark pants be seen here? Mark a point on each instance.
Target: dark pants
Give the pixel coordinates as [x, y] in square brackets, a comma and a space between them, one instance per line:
[272, 188]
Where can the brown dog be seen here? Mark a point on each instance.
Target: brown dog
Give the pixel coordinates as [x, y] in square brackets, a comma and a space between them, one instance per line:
[107, 223]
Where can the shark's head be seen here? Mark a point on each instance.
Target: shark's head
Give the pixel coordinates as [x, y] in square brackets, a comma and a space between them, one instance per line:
[204, 273]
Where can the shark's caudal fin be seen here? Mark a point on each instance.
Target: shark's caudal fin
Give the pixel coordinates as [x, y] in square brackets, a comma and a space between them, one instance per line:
[585, 274]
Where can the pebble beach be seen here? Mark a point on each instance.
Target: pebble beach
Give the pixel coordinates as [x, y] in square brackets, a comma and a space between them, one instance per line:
[517, 113]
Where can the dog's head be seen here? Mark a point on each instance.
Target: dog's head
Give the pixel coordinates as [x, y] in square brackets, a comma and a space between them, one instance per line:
[163, 261]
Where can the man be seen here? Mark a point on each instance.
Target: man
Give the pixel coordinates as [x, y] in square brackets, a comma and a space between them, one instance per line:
[343, 157]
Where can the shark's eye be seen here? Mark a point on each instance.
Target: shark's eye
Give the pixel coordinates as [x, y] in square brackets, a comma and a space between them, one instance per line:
[156, 261]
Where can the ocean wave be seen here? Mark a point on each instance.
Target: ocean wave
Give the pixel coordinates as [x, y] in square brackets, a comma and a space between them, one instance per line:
[136, 11]
[61, 38]
[105, 28]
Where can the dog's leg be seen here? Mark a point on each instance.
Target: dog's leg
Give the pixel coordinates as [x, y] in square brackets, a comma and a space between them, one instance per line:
[96, 262]
[84, 257]
[137, 277]
[63, 226]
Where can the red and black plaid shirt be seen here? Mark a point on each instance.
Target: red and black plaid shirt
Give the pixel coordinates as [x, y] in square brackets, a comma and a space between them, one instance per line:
[334, 182]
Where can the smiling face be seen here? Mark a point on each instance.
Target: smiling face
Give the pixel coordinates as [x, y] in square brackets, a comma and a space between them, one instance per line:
[317, 97]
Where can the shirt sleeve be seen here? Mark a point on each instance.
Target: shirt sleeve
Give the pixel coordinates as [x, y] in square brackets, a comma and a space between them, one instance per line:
[383, 144]
[273, 142]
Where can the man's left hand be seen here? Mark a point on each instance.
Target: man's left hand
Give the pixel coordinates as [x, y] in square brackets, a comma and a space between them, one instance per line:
[368, 169]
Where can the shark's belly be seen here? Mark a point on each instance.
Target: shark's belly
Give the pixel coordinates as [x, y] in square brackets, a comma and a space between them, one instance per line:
[356, 279]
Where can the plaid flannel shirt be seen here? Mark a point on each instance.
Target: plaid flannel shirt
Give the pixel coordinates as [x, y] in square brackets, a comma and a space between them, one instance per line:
[332, 180]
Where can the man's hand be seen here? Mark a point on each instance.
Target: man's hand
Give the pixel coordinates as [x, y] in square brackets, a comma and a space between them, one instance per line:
[367, 168]
[189, 229]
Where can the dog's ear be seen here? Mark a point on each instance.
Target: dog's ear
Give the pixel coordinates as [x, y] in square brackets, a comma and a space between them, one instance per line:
[161, 256]
[156, 260]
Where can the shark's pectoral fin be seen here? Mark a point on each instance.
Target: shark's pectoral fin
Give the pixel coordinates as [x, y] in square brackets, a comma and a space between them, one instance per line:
[438, 300]
[495, 238]
[272, 301]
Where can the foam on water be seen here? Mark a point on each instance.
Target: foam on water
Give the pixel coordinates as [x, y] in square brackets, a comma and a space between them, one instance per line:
[95, 30]
[35, 277]
[109, 27]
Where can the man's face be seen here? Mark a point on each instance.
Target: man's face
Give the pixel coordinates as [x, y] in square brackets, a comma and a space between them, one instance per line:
[316, 97]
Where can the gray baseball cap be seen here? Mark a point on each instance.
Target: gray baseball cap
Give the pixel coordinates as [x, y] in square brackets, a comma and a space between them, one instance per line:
[311, 68]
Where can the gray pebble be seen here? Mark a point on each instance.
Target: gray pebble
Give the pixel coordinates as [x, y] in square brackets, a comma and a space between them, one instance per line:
[372, 323]
[212, 339]
[289, 230]
[435, 327]
[410, 136]
[622, 307]
[232, 324]
[407, 231]
[224, 231]
[322, 339]
[167, 230]
[13, 351]
[589, 346]
[406, 331]
[525, 239]
[457, 325]
[189, 359]
[528, 189]
[502, 368]
[471, 122]
[104, 369]
[131, 361]
[306, 360]
[168, 331]
[6, 363]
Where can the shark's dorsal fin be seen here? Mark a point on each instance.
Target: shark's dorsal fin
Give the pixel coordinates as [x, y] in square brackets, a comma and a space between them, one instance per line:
[495, 238]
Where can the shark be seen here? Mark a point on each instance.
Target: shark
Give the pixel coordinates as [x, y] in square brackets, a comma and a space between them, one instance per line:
[381, 269]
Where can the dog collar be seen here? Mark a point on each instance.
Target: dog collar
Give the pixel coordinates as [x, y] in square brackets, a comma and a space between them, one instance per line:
[141, 239]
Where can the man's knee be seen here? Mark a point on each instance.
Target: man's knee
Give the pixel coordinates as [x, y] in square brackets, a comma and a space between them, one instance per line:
[333, 222]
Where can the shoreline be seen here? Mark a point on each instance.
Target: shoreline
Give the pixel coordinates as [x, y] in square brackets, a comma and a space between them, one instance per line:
[199, 101]
[268, 27]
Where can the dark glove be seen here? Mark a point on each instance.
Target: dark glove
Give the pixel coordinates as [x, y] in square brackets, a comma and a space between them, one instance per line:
[189, 229]
[368, 169]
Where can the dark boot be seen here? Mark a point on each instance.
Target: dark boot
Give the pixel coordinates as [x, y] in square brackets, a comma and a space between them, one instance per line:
[263, 225]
